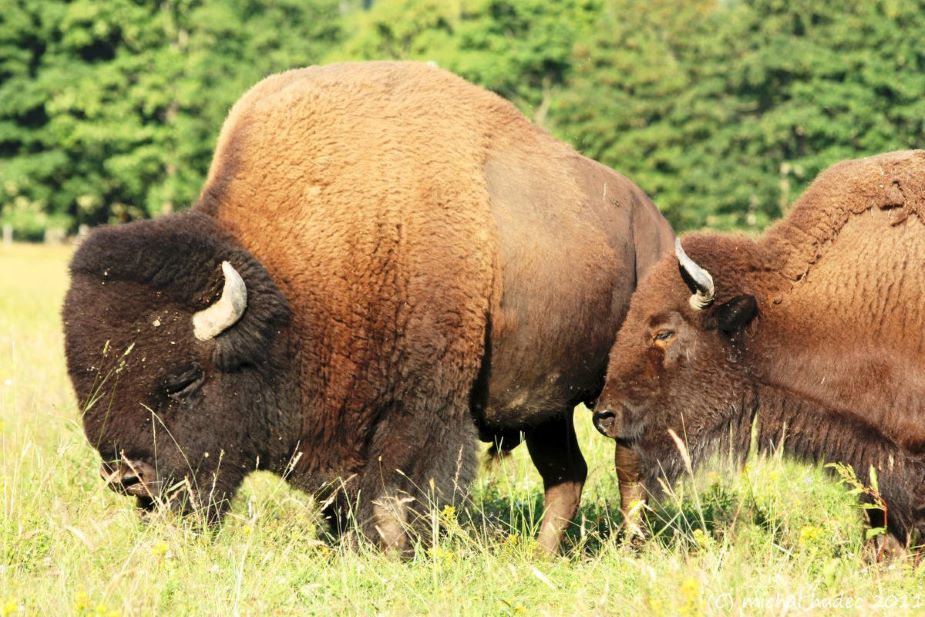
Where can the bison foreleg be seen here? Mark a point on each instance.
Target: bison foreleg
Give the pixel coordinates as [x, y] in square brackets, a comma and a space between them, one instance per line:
[420, 460]
[632, 492]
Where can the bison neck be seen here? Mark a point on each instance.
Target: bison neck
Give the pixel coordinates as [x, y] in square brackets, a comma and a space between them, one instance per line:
[807, 430]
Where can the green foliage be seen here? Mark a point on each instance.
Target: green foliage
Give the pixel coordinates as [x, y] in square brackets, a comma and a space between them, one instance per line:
[521, 49]
[109, 110]
[722, 110]
[874, 500]
[622, 104]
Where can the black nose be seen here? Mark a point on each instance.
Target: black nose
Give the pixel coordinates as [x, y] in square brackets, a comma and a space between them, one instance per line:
[604, 421]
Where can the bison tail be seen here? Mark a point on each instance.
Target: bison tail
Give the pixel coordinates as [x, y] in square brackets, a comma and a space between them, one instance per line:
[501, 445]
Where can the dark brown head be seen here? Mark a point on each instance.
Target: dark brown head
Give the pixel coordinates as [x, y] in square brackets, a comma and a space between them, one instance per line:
[678, 359]
[178, 347]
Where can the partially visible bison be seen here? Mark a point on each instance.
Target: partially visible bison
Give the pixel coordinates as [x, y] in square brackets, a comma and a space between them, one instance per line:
[384, 263]
[816, 331]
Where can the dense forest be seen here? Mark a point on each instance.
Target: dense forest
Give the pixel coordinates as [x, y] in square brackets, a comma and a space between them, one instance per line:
[721, 110]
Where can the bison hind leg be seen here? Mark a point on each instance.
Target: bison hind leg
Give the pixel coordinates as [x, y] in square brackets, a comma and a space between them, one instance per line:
[554, 450]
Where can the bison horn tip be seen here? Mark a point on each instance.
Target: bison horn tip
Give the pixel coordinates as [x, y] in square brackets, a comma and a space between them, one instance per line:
[703, 288]
[227, 310]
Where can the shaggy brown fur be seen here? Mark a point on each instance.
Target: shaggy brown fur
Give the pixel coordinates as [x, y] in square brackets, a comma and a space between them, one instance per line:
[818, 327]
[440, 259]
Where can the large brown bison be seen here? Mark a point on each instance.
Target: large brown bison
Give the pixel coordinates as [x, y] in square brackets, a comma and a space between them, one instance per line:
[817, 328]
[385, 261]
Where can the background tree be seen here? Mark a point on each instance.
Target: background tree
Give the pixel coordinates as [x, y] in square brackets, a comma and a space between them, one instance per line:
[725, 112]
[109, 110]
[624, 103]
[521, 49]
[722, 110]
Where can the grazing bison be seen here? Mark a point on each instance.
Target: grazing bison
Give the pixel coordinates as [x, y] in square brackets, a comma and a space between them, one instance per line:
[385, 261]
[817, 328]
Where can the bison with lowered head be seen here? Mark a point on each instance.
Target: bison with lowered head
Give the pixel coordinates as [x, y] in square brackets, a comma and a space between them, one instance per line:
[817, 328]
[385, 262]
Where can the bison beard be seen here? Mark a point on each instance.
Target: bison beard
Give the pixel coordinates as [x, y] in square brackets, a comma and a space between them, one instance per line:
[806, 432]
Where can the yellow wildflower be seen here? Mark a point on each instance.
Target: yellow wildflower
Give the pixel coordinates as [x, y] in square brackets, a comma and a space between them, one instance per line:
[102, 611]
[810, 535]
[324, 550]
[703, 539]
[691, 597]
[443, 555]
[159, 549]
[9, 607]
[448, 513]
[81, 601]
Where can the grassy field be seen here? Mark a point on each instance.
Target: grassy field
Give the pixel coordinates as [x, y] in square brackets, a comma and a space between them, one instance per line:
[772, 538]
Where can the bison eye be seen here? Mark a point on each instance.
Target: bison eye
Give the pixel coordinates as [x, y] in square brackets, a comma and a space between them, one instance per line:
[663, 335]
[182, 385]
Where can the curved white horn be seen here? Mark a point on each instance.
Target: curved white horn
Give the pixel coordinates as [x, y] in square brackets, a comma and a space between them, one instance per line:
[210, 322]
[703, 282]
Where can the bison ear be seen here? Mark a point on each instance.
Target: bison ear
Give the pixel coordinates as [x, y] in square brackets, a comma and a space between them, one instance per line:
[732, 316]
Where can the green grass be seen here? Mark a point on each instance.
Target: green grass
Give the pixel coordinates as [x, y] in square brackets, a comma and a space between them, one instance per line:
[771, 538]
